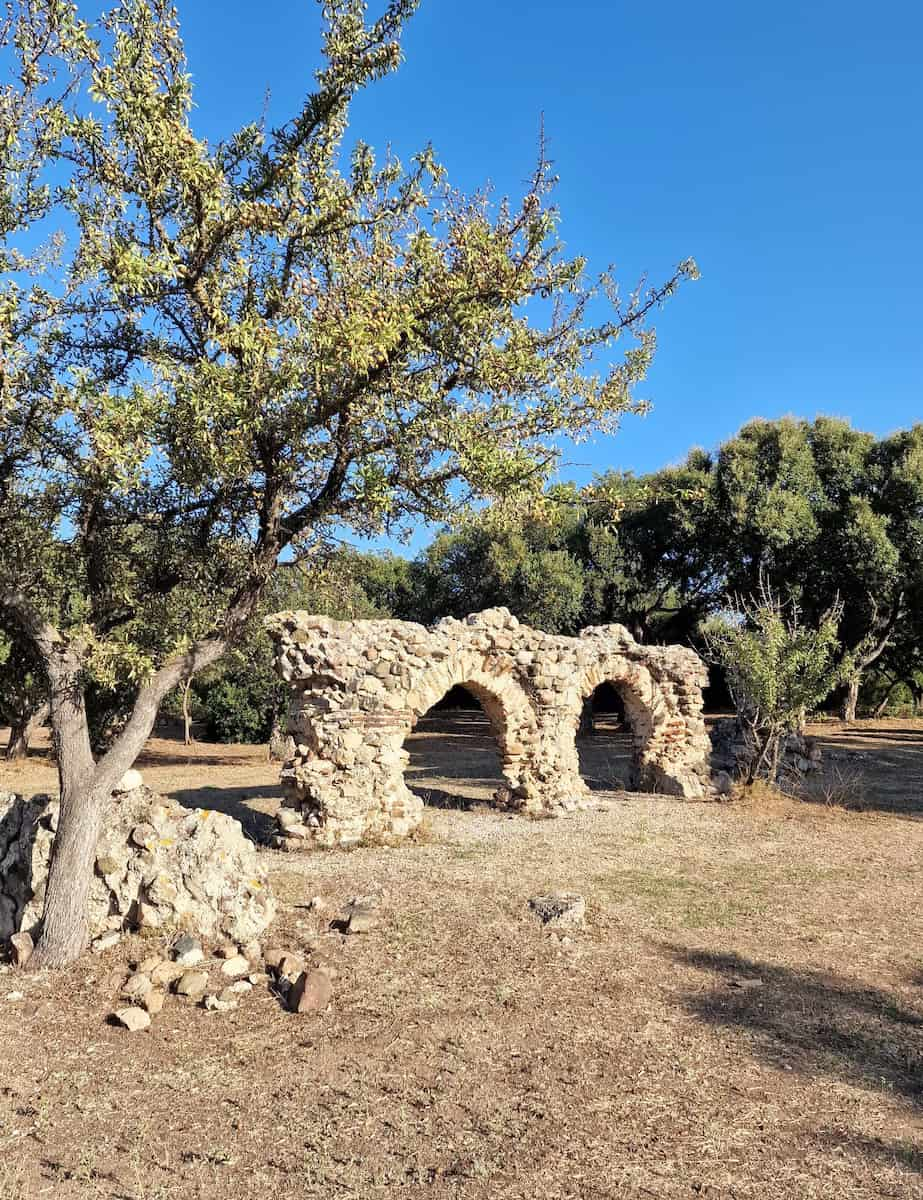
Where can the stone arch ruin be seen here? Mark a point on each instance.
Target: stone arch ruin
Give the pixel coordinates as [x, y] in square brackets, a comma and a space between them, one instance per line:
[359, 687]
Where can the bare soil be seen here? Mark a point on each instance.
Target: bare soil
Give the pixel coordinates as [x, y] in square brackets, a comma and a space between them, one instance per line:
[741, 1018]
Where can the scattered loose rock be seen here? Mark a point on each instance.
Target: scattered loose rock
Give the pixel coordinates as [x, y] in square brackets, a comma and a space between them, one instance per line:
[311, 992]
[362, 919]
[107, 941]
[193, 984]
[235, 966]
[137, 986]
[153, 1001]
[22, 948]
[215, 1004]
[559, 909]
[188, 951]
[133, 1019]
[291, 966]
[166, 972]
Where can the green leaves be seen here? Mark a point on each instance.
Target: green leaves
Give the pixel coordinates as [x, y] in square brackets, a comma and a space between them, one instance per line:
[777, 668]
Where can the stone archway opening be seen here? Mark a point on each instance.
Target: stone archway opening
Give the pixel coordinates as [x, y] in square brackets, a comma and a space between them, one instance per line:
[607, 745]
[455, 751]
[360, 687]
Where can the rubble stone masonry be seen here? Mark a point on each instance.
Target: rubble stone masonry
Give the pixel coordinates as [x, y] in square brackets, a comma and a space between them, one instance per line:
[359, 687]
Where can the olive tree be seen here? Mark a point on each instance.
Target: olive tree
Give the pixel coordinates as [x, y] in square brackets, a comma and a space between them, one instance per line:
[829, 514]
[214, 354]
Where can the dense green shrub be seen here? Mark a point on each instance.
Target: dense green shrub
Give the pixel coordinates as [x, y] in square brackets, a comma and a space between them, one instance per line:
[778, 670]
[232, 713]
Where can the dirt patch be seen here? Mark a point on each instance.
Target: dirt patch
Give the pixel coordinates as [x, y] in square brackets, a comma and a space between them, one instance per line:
[741, 1018]
[238, 780]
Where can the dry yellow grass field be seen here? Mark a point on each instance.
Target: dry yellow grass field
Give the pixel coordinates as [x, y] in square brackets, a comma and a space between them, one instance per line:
[741, 1018]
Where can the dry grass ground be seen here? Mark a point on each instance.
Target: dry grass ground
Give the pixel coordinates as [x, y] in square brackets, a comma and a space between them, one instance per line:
[741, 1018]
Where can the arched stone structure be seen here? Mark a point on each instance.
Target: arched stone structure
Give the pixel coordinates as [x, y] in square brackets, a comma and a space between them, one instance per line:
[359, 687]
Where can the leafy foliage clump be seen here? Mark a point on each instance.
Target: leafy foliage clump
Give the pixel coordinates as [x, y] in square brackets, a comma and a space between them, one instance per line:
[777, 669]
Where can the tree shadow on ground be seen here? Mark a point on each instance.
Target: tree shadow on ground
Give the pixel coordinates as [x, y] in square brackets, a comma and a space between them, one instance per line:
[606, 759]
[192, 758]
[869, 770]
[888, 1154]
[812, 1022]
[454, 747]
[913, 736]
[258, 826]
[434, 798]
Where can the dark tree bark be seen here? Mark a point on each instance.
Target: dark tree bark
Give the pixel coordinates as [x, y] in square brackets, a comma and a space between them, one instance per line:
[187, 720]
[865, 659]
[22, 732]
[851, 699]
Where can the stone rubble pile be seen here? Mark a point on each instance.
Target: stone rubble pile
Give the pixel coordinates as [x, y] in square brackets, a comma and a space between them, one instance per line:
[359, 687]
[732, 753]
[218, 980]
[159, 866]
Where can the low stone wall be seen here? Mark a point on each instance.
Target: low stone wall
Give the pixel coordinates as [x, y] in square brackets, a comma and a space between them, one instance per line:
[158, 866]
[359, 687]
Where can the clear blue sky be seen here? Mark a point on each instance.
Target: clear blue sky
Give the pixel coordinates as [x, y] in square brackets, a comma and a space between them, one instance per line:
[778, 144]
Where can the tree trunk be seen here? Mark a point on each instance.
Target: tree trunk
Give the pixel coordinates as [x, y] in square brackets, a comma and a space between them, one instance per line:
[22, 732]
[851, 700]
[86, 790]
[18, 745]
[87, 785]
[65, 922]
[187, 720]
[880, 708]
[65, 926]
